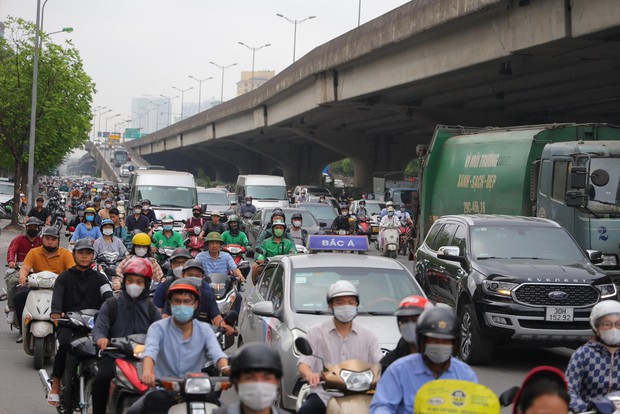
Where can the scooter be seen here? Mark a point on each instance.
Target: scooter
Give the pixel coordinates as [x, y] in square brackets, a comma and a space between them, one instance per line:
[237, 251]
[226, 291]
[194, 243]
[353, 378]
[198, 392]
[37, 326]
[390, 242]
[126, 388]
[107, 262]
[364, 227]
[405, 230]
[163, 258]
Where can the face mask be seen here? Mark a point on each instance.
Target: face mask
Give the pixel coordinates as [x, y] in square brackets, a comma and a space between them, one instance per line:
[134, 290]
[137, 211]
[168, 227]
[278, 232]
[141, 251]
[32, 232]
[257, 395]
[197, 215]
[610, 337]
[344, 214]
[438, 353]
[90, 217]
[107, 232]
[390, 213]
[50, 249]
[296, 223]
[145, 208]
[402, 209]
[80, 214]
[247, 203]
[178, 272]
[108, 206]
[182, 313]
[409, 332]
[345, 313]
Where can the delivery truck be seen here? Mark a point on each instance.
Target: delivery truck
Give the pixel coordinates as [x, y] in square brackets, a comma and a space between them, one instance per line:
[569, 173]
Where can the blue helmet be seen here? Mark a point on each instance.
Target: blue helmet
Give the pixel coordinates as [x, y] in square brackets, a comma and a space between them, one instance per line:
[81, 207]
[106, 221]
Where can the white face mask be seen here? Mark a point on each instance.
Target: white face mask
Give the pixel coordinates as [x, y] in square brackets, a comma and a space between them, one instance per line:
[257, 395]
[141, 251]
[178, 271]
[438, 353]
[134, 290]
[107, 232]
[137, 211]
[409, 332]
[610, 337]
[297, 223]
[345, 313]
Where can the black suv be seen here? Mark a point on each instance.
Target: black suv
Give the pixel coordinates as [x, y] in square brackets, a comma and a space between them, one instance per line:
[511, 279]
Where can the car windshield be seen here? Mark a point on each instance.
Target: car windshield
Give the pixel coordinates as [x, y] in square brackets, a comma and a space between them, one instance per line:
[6, 188]
[307, 218]
[322, 212]
[266, 192]
[381, 290]
[523, 242]
[606, 198]
[212, 198]
[168, 196]
[374, 208]
[317, 190]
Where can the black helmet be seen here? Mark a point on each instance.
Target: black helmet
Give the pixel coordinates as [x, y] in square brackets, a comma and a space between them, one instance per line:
[90, 204]
[255, 356]
[146, 201]
[438, 322]
[51, 231]
[97, 199]
[296, 216]
[84, 244]
[180, 252]
[193, 263]
[33, 221]
[278, 212]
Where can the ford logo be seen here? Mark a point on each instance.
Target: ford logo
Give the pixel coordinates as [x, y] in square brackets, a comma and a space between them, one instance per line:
[557, 295]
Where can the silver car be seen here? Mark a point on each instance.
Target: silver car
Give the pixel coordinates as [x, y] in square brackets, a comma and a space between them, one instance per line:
[289, 299]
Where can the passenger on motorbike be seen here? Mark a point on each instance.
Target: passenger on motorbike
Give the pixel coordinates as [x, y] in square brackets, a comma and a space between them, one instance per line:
[362, 211]
[88, 229]
[196, 220]
[216, 261]
[18, 249]
[176, 346]
[407, 315]
[215, 225]
[338, 339]
[543, 391]
[300, 235]
[234, 235]
[138, 221]
[593, 368]
[256, 372]
[120, 229]
[40, 212]
[342, 221]
[140, 247]
[384, 210]
[80, 287]
[177, 260]
[104, 213]
[167, 237]
[276, 215]
[388, 220]
[78, 218]
[132, 313]
[437, 331]
[248, 208]
[107, 242]
[148, 212]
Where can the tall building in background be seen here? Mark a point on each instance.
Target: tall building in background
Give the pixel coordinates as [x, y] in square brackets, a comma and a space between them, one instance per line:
[246, 84]
[150, 113]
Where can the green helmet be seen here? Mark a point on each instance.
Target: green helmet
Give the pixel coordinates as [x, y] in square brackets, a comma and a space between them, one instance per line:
[234, 218]
[214, 236]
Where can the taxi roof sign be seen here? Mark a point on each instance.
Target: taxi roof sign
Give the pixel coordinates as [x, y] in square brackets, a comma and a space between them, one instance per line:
[321, 242]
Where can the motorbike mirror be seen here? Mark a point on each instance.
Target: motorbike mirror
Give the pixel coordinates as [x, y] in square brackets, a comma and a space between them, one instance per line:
[249, 253]
[3, 297]
[303, 346]
[231, 318]
[260, 250]
[322, 224]
[71, 229]
[507, 397]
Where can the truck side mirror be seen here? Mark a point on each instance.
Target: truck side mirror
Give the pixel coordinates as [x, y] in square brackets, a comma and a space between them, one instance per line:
[578, 177]
[575, 198]
[595, 256]
[599, 177]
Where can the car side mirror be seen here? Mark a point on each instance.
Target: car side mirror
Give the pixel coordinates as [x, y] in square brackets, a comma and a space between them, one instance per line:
[260, 250]
[266, 309]
[595, 256]
[507, 397]
[303, 346]
[578, 177]
[256, 223]
[322, 224]
[451, 253]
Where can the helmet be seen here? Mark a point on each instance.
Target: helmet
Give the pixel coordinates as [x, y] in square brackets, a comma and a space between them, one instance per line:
[234, 218]
[193, 263]
[390, 209]
[97, 199]
[248, 198]
[183, 285]
[342, 288]
[33, 221]
[167, 219]
[277, 212]
[233, 202]
[84, 244]
[255, 356]
[215, 213]
[402, 205]
[90, 204]
[412, 306]
[214, 236]
[438, 322]
[296, 216]
[542, 372]
[141, 239]
[146, 201]
[278, 223]
[90, 210]
[108, 200]
[362, 202]
[603, 308]
[81, 207]
[197, 208]
[105, 222]
[138, 266]
[389, 203]
[93, 190]
[180, 252]
[51, 231]
[137, 205]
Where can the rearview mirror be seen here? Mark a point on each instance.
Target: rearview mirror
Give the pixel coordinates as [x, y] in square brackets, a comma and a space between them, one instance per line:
[264, 308]
[303, 346]
[599, 178]
[595, 256]
[507, 397]
[451, 253]
[575, 198]
[578, 176]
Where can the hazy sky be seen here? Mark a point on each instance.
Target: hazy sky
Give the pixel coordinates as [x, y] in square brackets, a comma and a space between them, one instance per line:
[144, 47]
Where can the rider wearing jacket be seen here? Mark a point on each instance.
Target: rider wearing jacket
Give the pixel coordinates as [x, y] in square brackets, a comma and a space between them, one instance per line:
[247, 209]
[277, 214]
[342, 221]
[196, 220]
[107, 242]
[88, 229]
[234, 235]
[299, 234]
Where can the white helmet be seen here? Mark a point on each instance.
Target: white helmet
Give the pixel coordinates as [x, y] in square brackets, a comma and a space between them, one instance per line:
[342, 288]
[389, 203]
[603, 308]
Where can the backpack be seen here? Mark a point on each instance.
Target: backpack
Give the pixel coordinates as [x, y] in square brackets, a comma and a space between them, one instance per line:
[113, 309]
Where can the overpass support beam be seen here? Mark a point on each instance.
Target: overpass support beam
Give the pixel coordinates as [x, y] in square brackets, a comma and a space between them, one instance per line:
[225, 170]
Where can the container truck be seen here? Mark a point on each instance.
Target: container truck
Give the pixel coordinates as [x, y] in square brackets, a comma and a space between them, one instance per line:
[569, 173]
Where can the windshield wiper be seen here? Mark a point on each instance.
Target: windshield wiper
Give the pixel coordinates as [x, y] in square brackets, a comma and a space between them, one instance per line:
[490, 257]
[312, 312]
[381, 313]
[169, 205]
[531, 258]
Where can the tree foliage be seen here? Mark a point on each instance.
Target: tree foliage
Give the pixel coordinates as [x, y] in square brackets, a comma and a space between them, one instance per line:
[411, 170]
[343, 167]
[64, 100]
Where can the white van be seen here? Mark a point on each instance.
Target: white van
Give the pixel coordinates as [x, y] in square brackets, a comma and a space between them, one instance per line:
[265, 190]
[170, 192]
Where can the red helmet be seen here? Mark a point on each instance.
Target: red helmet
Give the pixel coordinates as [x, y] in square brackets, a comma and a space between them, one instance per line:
[138, 266]
[197, 207]
[412, 306]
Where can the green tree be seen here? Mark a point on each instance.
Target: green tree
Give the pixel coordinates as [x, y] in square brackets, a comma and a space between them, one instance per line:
[64, 101]
[411, 170]
[343, 167]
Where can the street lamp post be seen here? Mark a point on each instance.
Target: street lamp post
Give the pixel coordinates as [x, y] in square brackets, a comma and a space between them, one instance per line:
[359, 13]
[253, 49]
[199, 89]
[182, 97]
[106, 121]
[102, 113]
[95, 110]
[157, 105]
[169, 98]
[295, 23]
[223, 69]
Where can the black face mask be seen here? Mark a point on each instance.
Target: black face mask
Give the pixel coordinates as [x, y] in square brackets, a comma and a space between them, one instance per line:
[32, 232]
[197, 215]
[50, 249]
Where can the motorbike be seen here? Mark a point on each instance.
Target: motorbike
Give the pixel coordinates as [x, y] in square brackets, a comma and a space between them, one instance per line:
[198, 392]
[6, 209]
[37, 326]
[57, 212]
[81, 368]
[126, 388]
[63, 197]
[194, 243]
[237, 251]
[364, 227]
[69, 232]
[391, 237]
[73, 205]
[163, 257]
[354, 379]
[4, 296]
[107, 262]
[405, 234]
[226, 291]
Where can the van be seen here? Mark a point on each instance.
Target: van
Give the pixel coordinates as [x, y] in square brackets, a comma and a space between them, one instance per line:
[265, 190]
[170, 193]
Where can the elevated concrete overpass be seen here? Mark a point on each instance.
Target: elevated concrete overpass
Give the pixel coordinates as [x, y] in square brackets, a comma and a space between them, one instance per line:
[377, 91]
[101, 158]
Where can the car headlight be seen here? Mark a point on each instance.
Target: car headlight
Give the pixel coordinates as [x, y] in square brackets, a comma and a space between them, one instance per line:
[197, 386]
[496, 288]
[608, 260]
[607, 290]
[357, 381]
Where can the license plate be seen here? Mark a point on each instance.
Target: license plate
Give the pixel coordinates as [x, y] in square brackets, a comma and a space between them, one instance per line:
[375, 229]
[559, 315]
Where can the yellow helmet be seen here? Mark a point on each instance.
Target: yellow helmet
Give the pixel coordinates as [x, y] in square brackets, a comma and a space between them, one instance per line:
[141, 239]
[90, 210]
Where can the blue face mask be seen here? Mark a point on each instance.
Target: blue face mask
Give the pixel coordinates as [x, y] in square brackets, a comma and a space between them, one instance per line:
[182, 313]
[168, 227]
[90, 217]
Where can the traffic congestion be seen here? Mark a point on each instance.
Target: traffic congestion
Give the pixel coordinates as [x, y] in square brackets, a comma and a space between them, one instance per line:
[161, 295]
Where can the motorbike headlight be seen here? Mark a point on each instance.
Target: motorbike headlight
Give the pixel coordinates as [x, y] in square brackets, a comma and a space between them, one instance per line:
[607, 290]
[357, 381]
[138, 349]
[197, 386]
[493, 287]
[90, 322]
[45, 283]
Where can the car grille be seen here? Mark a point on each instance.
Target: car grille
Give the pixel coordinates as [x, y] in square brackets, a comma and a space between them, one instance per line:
[538, 295]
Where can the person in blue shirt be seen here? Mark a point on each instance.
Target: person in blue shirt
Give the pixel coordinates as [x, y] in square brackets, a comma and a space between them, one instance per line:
[215, 261]
[437, 330]
[88, 228]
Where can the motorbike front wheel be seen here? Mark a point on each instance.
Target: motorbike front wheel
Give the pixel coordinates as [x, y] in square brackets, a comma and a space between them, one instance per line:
[88, 395]
[393, 254]
[39, 353]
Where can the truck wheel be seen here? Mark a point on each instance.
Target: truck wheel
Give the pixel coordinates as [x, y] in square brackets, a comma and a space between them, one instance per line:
[39, 353]
[474, 348]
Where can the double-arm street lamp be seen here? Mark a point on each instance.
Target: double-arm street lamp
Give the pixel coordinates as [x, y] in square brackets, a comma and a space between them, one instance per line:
[168, 98]
[199, 89]
[223, 69]
[253, 49]
[182, 97]
[295, 23]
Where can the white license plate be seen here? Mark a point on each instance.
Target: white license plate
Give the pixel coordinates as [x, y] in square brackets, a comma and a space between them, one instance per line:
[559, 314]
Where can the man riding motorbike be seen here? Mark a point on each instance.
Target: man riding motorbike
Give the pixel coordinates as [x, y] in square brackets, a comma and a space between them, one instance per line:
[384, 210]
[215, 261]
[299, 234]
[390, 219]
[276, 215]
[215, 225]
[342, 221]
[138, 221]
[196, 220]
[148, 212]
[247, 209]
[273, 246]
[167, 237]
[234, 235]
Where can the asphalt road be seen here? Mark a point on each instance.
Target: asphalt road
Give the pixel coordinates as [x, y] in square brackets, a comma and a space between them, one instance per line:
[22, 392]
